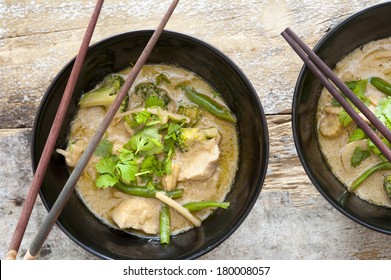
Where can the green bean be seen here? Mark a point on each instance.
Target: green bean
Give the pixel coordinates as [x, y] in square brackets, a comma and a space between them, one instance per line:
[196, 206]
[209, 104]
[381, 85]
[145, 192]
[381, 166]
[165, 224]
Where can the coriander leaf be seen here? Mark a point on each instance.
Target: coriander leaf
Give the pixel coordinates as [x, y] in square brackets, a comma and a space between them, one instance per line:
[107, 165]
[127, 171]
[149, 164]
[344, 118]
[351, 85]
[172, 128]
[105, 181]
[142, 117]
[130, 121]
[383, 111]
[148, 141]
[335, 103]
[358, 88]
[167, 167]
[359, 155]
[104, 149]
[126, 155]
[357, 134]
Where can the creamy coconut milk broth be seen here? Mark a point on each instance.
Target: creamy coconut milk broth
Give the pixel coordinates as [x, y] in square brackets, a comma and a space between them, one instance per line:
[213, 186]
[371, 60]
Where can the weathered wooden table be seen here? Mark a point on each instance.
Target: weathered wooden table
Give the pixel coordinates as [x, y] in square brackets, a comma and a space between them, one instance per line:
[290, 219]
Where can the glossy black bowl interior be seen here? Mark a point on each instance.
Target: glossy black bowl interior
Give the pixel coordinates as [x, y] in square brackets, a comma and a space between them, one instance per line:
[370, 24]
[114, 54]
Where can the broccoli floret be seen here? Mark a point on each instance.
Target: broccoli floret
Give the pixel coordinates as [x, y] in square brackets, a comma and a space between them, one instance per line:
[188, 136]
[105, 93]
[160, 100]
[153, 95]
[192, 111]
[387, 185]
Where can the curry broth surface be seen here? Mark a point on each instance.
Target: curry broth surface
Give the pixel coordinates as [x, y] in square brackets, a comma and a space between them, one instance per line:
[372, 59]
[101, 201]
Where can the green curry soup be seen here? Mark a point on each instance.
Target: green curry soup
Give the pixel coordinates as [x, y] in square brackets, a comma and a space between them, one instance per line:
[161, 141]
[349, 152]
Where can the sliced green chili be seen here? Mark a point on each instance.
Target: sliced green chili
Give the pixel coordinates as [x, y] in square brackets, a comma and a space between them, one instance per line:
[209, 104]
[196, 206]
[145, 192]
[165, 224]
[381, 166]
[381, 85]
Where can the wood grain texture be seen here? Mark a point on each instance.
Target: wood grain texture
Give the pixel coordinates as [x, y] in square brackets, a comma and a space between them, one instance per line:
[290, 220]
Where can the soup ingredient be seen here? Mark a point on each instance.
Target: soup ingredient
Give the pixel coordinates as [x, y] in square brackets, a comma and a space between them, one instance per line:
[175, 205]
[381, 85]
[132, 213]
[330, 126]
[192, 111]
[105, 93]
[209, 104]
[383, 113]
[378, 167]
[358, 88]
[187, 137]
[146, 192]
[197, 206]
[153, 95]
[387, 185]
[164, 222]
[358, 156]
[201, 162]
[351, 155]
[146, 142]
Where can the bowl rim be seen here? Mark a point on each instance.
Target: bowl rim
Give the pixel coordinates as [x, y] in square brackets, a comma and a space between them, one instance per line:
[262, 118]
[295, 127]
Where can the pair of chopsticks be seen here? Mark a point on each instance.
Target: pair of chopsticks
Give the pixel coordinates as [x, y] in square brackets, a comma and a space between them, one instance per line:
[53, 134]
[325, 75]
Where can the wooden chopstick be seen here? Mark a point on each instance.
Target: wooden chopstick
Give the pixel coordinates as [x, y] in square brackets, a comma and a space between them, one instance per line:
[324, 73]
[87, 154]
[51, 140]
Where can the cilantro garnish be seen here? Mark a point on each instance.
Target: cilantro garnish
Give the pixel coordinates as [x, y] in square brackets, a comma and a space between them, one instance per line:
[105, 148]
[148, 141]
[359, 155]
[358, 88]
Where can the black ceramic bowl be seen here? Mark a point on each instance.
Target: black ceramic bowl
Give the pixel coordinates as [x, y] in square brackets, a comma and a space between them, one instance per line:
[114, 54]
[370, 24]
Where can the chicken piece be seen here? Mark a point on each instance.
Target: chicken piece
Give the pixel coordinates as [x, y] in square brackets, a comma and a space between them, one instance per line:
[199, 162]
[330, 126]
[138, 213]
[170, 181]
[73, 152]
[332, 110]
